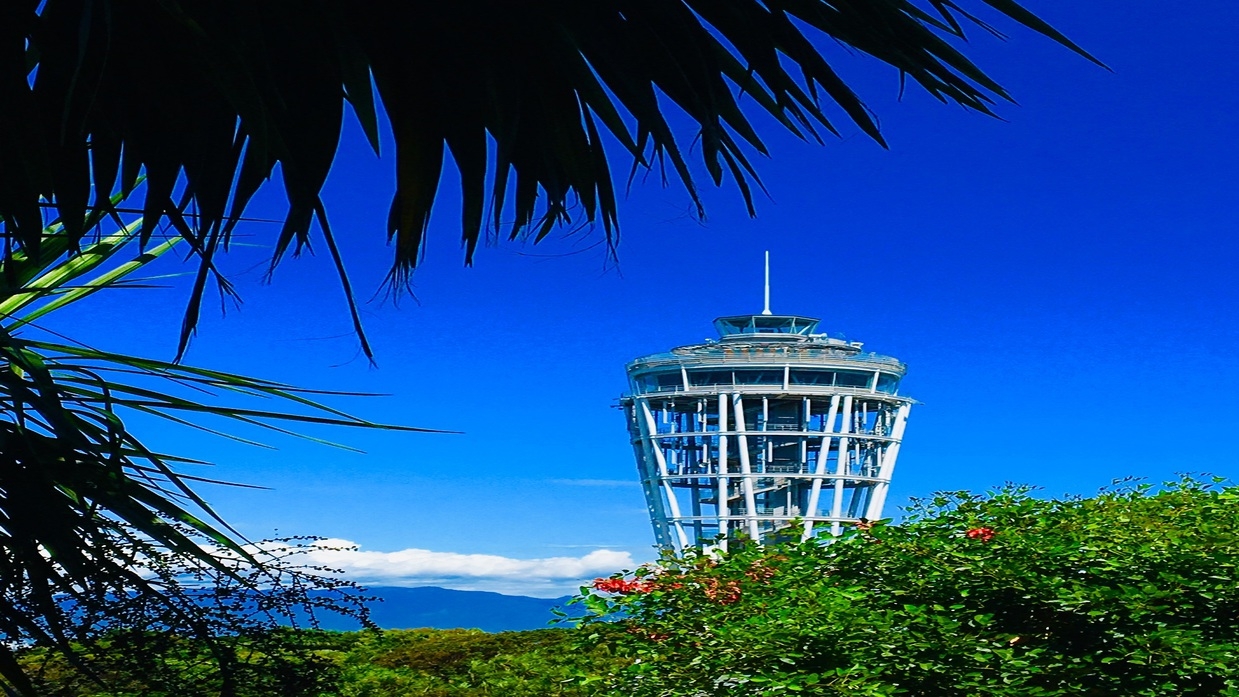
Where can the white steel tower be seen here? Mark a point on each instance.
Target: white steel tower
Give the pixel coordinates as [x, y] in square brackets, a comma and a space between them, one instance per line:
[769, 424]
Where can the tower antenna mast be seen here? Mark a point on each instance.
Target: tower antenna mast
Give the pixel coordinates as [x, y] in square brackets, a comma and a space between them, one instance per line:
[766, 309]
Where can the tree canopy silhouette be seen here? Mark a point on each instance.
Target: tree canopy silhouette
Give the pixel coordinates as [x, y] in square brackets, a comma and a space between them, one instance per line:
[207, 97]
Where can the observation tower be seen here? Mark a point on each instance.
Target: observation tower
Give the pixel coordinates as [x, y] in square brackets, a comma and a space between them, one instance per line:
[771, 423]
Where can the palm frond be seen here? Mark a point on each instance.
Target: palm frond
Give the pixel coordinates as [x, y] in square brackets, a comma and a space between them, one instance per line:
[79, 492]
[240, 87]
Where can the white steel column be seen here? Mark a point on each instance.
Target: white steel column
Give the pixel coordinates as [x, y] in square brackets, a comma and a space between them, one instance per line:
[650, 429]
[767, 449]
[746, 469]
[887, 468]
[649, 476]
[699, 467]
[805, 412]
[724, 510]
[841, 464]
[815, 491]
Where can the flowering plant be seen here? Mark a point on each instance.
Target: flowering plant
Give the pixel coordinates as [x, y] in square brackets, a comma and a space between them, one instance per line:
[1130, 592]
[983, 534]
[621, 585]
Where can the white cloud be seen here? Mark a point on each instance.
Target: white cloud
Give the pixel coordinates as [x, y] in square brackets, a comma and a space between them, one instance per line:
[547, 577]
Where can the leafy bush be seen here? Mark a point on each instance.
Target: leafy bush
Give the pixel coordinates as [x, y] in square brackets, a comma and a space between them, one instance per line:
[427, 662]
[1131, 592]
[290, 663]
[472, 663]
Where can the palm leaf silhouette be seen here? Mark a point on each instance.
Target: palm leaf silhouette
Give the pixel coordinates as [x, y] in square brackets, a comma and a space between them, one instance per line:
[80, 494]
[206, 98]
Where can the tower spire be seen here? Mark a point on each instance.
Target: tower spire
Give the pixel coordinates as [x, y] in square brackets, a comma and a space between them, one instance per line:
[766, 308]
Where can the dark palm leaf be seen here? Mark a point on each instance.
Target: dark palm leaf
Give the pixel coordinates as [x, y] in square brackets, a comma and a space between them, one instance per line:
[205, 97]
[84, 505]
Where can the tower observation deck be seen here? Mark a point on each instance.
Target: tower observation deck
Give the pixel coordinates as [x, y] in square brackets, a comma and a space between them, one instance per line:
[769, 424]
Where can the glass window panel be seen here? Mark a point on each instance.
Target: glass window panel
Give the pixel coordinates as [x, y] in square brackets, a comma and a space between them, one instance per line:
[759, 377]
[813, 377]
[698, 378]
[850, 379]
[670, 380]
[888, 383]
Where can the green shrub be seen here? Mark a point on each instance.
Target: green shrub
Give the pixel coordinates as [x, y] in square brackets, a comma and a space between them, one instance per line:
[292, 663]
[284, 662]
[468, 663]
[1131, 592]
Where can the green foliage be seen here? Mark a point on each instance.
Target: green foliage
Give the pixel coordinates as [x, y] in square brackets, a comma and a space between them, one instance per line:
[470, 663]
[162, 664]
[207, 634]
[1131, 592]
[432, 663]
[97, 531]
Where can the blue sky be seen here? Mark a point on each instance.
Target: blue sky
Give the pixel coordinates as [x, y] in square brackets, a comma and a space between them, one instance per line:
[1059, 282]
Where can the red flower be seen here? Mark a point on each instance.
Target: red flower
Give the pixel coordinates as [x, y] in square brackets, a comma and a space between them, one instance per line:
[758, 571]
[724, 593]
[621, 585]
[609, 585]
[982, 534]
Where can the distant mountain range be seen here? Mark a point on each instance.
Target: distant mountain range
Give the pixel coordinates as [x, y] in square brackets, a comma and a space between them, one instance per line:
[441, 608]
